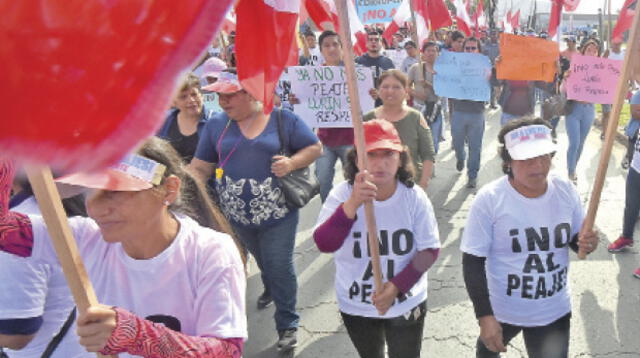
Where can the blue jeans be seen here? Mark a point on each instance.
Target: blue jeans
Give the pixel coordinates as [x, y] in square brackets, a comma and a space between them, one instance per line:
[325, 167]
[436, 131]
[578, 124]
[631, 203]
[272, 248]
[468, 127]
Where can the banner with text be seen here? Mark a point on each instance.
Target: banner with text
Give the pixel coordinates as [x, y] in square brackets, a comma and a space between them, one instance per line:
[324, 95]
[462, 75]
[593, 79]
[377, 11]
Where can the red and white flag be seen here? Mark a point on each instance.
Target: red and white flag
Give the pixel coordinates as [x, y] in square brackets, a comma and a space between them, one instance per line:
[358, 31]
[403, 14]
[462, 17]
[323, 13]
[229, 22]
[571, 5]
[555, 17]
[422, 14]
[437, 12]
[479, 18]
[262, 59]
[625, 19]
[515, 20]
[506, 22]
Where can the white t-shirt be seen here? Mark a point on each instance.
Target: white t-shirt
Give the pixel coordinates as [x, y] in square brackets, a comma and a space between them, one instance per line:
[406, 224]
[315, 56]
[635, 161]
[525, 241]
[29, 288]
[616, 56]
[195, 286]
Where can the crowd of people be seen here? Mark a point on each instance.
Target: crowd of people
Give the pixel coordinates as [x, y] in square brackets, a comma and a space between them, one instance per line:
[178, 218]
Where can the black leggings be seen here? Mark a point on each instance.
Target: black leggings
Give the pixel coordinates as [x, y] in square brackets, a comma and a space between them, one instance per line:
[631, 147]
[550, 341]
[402, 335]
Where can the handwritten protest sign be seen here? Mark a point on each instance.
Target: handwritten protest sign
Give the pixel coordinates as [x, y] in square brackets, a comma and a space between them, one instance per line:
[527, 58]
[462, 76]
[377, 11]
[324, 97]
[593, 79]
[397, 56]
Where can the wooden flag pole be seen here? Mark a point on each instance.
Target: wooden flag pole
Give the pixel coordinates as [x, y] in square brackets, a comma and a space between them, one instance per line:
[358, 131]
[612, 127]
[54, 216]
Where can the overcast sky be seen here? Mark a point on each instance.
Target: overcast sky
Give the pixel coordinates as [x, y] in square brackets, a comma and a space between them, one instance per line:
[585, 7]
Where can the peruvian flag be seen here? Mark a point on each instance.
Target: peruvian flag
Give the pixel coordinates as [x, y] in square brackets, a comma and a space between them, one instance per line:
[323, 13]
[571, 5]
[437, 12]
[422, 14]
[402, 15]
[478, 18]
[262, 59]
[555, 17]
[506, 22]
[625, 19]
[462, 17]
[358, 31]
[229, 22]
[515, 20]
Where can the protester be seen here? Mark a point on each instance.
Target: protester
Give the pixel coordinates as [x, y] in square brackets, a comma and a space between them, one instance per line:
[579, 120]
[491, 49]
[311, 56]
[241, 147]
[412, 56]
[516, 247]
[571, 48]
[613, 53]
[410, 124]
[457, 41]
[184, 122]
[423, 94]
[631, 129]
[517, 99]
[467, 126]
[404, 216]
[36, 308]
[373, 58]
[141, 244]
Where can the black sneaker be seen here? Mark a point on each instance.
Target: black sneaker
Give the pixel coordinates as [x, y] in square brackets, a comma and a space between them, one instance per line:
[287, 339]
[265, 300]
[460, 165]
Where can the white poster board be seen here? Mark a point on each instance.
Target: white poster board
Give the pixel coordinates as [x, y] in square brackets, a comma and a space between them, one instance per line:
[324, 95]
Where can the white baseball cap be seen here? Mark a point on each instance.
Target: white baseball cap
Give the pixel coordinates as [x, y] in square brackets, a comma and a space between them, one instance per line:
[529, 142]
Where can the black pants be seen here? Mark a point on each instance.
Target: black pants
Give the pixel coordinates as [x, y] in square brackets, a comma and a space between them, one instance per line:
[402, 335]
[631, 147]
[550, 341]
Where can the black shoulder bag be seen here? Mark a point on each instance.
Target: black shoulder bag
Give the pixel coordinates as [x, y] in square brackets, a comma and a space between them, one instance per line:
[301, 185]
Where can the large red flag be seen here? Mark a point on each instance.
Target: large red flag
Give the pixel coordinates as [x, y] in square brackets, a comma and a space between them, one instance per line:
[571, 5]
[402, 15]
[463, 21]
[438, 14]
[264, 37]
[624, 19]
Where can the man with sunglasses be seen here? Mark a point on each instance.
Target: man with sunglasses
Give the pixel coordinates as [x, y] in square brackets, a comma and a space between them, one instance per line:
[467, 126]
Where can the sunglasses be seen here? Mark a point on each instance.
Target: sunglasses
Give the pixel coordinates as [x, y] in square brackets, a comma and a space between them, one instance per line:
[470, 48]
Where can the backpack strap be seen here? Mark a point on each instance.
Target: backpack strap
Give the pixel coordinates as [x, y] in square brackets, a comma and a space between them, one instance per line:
[55, 342]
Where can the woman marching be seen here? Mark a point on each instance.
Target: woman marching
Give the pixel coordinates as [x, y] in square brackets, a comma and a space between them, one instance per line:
[516, 247]
[409, 246]
[393, 90]
[153, 256]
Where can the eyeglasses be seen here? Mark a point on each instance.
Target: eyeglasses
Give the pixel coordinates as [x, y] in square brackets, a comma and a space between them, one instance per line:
[470, 48]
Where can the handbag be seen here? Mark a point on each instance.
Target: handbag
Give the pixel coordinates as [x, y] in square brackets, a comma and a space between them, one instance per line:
[300, 185]
[555, 106]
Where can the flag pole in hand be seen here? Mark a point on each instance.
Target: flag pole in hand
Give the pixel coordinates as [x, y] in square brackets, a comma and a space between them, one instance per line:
[612, 127]
[358, 131]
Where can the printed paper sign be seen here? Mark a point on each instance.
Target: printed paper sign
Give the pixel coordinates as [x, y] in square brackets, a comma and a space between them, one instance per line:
[377, 11]
[324, 95]
[527, 58]
[397, 56]
[462, 76]
[593, 79]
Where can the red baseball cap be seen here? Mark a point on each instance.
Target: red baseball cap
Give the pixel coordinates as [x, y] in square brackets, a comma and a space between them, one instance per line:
[381, 134]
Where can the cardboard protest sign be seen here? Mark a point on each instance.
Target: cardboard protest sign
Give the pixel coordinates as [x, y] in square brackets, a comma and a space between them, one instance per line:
[108, 73]
[462, 76]
[593, 79]
[377, 11]
[527, 58]
[324, 97]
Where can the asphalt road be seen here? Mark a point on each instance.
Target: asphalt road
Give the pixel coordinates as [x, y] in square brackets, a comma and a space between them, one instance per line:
[605, 295]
